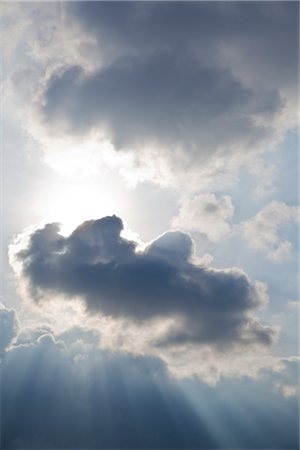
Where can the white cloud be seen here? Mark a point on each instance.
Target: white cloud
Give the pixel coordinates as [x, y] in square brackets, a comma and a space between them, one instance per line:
[206, 214]
[283, 251]
[263, 231]
[8, 328]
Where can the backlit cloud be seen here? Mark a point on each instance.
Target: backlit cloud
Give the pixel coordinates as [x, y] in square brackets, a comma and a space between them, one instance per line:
[116, 278]
[168, 88]
[180, 117]
[67, 382]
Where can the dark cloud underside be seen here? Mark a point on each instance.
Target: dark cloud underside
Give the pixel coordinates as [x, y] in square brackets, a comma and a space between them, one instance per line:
[195, 81]
[67, 393]
[98, 265]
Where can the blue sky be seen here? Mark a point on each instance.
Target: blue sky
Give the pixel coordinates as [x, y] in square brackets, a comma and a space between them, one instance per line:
[150, 219]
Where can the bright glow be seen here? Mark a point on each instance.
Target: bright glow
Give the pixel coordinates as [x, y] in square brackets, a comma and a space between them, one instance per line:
[75, 201]
[83, 157]
[78, 159]
[87, 185]
[77, 204]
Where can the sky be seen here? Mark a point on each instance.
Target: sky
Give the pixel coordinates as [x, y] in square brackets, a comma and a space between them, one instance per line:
[149, 293]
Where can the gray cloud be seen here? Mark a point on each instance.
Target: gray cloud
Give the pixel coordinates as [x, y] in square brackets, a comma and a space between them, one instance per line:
[254, 32]
[191, 91]
[98, 265]
[162, 99]
[95, 398]
[190, 83]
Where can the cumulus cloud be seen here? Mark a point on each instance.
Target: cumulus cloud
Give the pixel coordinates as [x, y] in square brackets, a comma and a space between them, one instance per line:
[197, 87]
[96, 398]
[115, 277]
[206, 214]
[263, 231]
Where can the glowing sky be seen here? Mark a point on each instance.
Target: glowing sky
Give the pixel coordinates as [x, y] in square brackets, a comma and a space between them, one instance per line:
[150, 212]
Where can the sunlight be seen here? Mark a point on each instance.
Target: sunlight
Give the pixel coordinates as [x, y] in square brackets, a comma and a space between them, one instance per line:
[78, 203]
[81, 159]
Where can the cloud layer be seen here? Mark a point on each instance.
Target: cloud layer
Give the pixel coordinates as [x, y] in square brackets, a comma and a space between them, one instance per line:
[114, 277]
[95, 398]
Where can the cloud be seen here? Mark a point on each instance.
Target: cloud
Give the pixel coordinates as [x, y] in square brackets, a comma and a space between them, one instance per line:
[210, 31]
[285, 381]
[199, 89]
[95, 398]
[116, 278]
[206, 214]
[262, 232]
[162, 100]
[8, 327]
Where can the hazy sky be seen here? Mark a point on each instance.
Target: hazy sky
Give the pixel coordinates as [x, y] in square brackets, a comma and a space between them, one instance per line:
[149, 167]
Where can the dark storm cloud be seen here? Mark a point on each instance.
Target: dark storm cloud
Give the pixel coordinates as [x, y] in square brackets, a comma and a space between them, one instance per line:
[94, 398]
[202, 78]
[98, 265]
